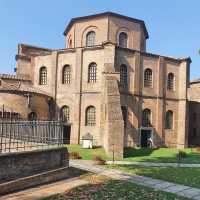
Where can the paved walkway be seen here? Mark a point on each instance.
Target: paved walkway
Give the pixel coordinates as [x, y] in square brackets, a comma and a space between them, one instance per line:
[45, 190]
[151, 164]
[178, 189]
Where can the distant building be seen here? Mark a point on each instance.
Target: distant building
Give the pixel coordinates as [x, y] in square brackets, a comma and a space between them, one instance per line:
[104, 83]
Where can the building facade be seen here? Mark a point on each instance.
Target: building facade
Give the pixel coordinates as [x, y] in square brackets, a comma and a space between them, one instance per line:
[105, 83]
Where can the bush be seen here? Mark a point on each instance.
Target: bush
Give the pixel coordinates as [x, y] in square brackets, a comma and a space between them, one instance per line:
[74, 155]
[181, 155]
[99, 160]
[198, 149]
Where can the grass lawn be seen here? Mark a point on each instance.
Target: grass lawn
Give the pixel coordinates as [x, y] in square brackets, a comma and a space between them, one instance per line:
[140, 154]
[160, 155]
[88, 154]
[184, 176]
[113, 190]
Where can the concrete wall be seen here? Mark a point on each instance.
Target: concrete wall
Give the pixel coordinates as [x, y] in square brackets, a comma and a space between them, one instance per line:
[22, 164]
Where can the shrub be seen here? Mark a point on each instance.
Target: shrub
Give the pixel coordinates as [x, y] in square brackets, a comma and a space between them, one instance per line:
[99, 160]
[198, 149]
[74, 155]
[181, 155]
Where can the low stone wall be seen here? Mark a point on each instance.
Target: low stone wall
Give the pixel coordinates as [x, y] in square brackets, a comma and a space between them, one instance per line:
[23, 164]
[39, 179]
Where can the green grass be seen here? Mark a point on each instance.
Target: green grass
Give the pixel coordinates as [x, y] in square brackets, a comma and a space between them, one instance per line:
[88, 154]
[140, 154]
[114, 190]
[184, 176]
[163, 155]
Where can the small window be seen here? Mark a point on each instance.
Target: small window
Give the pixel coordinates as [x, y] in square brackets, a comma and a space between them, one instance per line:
[123, 40]
[123, 76]
[124, 115]
[66, 74]
[65, 113]
[43, 76]
[148, 78]
[90, 39]
[169, 120]
[92, 73]
[90, 116]
[146, 118]
[170, 81]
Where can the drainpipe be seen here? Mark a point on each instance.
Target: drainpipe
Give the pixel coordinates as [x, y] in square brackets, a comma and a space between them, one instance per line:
[56, 85]
[80, 97]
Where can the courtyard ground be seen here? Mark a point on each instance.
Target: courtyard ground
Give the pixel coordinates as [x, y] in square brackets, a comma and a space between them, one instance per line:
[113, 189]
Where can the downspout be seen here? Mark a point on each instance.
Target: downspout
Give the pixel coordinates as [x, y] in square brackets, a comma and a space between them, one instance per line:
[56, 85]
[80, 97]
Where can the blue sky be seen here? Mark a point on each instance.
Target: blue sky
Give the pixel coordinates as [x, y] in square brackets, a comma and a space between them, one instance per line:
[173, 25]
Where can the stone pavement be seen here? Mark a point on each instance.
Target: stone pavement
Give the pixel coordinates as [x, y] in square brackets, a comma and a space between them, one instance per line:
[151, 164]
[45, 190]
[181, 190]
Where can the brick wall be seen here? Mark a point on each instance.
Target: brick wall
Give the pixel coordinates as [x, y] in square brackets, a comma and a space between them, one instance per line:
[22, 164]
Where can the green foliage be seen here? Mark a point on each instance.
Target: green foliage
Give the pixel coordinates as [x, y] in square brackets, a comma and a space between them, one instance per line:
[181, 155]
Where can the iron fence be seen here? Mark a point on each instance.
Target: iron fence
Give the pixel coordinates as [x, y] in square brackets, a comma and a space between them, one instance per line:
[28, 135]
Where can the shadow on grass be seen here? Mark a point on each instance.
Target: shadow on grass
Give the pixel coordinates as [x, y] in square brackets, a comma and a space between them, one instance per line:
[162, 155]
[137, 152]
[113, 189]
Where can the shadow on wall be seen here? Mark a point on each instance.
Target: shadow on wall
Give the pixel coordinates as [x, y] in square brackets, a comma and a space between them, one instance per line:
[135, 107]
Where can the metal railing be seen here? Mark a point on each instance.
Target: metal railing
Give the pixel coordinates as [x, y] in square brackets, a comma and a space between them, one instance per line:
[28, 135]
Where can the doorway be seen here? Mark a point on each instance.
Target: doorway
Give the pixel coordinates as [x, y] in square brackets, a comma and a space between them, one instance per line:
[146, 136]
[66, 134]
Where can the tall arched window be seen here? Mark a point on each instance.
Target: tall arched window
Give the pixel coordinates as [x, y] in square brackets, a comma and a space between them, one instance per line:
[92, 73]
[123, 40]
[123, 76]
[170, 81]
[90, 39]
[65, 113]
[32, 116]
[169, 120]
[124, 115]
[90, 116]
[43, 76]
[146, 117]
[66, 74]
[148, 78]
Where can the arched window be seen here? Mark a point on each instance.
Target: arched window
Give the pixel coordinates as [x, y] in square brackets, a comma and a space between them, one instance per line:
[65, 113]
[92, 73]
[123, 76]
[90, 116]
[70, 43]
[32, 116]
[170, 81]
[66, 74]
[43, 76]
[169, 120]
[123, 40]
[146, 117]
[124, 115]
[148, 78]
[90, 39]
